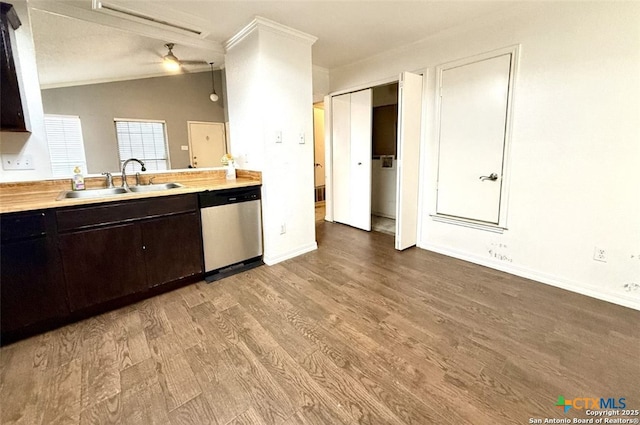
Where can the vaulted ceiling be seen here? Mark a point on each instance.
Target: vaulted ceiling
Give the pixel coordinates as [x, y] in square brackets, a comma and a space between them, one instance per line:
[75, 44]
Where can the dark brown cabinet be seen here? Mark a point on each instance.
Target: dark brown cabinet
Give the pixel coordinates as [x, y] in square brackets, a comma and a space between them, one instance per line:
[64, 264]
[31, 279]
[102, 264]
[116, 250]
[172, 248]
[12, 116]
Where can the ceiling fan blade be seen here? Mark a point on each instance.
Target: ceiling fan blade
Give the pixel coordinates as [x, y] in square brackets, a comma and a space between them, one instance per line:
[184, 62]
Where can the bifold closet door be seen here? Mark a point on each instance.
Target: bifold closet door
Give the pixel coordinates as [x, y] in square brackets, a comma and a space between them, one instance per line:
[351, 115]
[409, 133]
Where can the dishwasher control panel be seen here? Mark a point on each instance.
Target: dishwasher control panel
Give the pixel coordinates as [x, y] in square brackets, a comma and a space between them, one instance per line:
[228, 196]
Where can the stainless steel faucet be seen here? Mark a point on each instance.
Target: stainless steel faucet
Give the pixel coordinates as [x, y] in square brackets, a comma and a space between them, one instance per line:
[109, 178]
[125, 185]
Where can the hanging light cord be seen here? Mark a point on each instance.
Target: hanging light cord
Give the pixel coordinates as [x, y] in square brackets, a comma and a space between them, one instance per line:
[213, 89]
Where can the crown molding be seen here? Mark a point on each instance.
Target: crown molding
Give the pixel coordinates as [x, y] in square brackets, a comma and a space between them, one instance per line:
[260, 23]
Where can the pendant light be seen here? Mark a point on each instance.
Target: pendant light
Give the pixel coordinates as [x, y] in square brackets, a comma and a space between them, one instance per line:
[213, 96]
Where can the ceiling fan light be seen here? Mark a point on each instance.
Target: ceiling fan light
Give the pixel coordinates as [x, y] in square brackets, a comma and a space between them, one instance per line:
[171, 62]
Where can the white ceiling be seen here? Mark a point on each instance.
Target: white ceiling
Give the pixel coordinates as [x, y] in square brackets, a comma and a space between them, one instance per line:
[74, 50]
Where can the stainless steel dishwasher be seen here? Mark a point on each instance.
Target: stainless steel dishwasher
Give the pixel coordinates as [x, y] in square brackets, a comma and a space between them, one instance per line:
[231, 231]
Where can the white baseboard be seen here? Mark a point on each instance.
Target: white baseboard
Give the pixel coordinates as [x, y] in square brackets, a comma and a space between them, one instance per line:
[270, 261]
[537, 276]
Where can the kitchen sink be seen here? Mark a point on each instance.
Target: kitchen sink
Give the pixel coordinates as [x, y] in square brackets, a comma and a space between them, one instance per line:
[155, 187]
[91, 193]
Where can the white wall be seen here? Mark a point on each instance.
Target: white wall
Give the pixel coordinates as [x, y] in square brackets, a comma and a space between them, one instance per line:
[320, 83]
[575, 152]
[34, 143]
[274, 63]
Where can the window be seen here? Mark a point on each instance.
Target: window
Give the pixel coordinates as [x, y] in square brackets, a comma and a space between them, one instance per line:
[66, 147]
[144, 140]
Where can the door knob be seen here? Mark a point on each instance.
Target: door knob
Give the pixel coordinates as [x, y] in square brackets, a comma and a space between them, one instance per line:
[359, 163]
[492, 177]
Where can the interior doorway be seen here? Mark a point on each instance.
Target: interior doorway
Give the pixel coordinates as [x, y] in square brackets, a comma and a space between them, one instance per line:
[384, 157]
[374, 179]
[319, 160]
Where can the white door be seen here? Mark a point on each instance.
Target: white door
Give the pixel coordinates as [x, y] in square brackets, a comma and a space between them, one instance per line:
[409, 130]
[341, 151]
[351, 152]
[206, 143]
[474, 100]
[361, 116]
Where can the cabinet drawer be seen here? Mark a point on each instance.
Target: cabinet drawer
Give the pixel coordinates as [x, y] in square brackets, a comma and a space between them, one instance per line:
[125, 211]
[22, 226]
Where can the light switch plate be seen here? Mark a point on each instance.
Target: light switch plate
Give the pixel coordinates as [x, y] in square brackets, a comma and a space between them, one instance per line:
[278, 136]
[301, 138]
[184, 147]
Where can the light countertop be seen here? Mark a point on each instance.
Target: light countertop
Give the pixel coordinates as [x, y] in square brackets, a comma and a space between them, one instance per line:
[31, 196]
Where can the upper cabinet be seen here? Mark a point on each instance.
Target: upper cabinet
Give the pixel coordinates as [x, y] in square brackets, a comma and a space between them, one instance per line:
[12, 114]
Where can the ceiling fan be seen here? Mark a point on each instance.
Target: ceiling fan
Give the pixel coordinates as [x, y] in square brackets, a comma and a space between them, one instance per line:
[172, 63]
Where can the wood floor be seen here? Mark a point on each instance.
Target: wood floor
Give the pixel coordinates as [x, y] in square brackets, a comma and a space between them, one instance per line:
[354, 333]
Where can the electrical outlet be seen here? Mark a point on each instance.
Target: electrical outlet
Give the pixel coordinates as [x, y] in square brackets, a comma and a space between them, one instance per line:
[283, 228]
[600, 254]
[17, 162]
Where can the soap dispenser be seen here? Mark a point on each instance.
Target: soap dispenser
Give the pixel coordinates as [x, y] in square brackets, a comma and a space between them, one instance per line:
[77, 183]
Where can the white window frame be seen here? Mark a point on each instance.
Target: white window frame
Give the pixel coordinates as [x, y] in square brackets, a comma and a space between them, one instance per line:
[166, 139]
[75, 152]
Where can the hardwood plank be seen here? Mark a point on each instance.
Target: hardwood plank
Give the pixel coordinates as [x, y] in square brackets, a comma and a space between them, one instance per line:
[195, 411]
[352, 397]
[220, 385]
[100, 370]
[219, 332]
[249, 417]
[106, 411]
[178, 315]
[142, 398]
[62, 398]
[154, 318]
[131, 342]
[315, 403]
[145, 407]
[178, 383]
[267, 398]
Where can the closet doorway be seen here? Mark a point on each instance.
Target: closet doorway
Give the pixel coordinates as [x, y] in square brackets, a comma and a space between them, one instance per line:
[374, 153]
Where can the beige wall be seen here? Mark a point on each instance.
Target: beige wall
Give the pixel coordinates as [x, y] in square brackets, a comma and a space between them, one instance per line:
[175, 99]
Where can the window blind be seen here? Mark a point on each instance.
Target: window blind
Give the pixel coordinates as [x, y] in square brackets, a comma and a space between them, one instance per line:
[66, 147]
[144, 140]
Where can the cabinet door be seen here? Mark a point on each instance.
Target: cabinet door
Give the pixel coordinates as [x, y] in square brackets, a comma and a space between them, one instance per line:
[173, 248]
[102, 264]
[32, 287]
